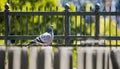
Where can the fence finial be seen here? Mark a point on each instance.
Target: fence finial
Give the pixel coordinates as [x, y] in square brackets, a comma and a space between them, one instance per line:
[97, 7]
[7, 6]
[67, 6]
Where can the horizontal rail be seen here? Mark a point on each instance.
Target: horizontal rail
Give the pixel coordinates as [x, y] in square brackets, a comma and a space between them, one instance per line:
[69, 45]
[1, 13]
[2, 37]
[60, 13]
[30, 37]
[62, 37]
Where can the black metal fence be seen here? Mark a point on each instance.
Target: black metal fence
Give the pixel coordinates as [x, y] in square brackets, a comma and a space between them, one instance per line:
[71, 28]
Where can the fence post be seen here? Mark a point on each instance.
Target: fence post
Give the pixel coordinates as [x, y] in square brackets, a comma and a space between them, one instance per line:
[97, 20]
[67, 24]
[7, 24]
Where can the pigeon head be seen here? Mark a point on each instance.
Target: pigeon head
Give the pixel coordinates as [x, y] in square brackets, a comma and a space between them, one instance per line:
[50, 28]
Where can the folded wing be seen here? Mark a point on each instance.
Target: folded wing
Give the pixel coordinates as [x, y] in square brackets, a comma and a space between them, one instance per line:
[46, 38]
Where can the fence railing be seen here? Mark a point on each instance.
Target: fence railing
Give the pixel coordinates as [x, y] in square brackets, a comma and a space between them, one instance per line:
[59, 58]
[71, 28]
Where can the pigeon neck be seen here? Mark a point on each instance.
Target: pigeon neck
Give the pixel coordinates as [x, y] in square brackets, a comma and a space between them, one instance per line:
[49, 31]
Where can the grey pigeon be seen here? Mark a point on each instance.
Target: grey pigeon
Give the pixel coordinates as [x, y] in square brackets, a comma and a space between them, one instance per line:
[44, 39]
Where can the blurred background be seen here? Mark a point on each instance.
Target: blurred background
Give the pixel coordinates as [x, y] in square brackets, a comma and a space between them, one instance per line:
[81, 25]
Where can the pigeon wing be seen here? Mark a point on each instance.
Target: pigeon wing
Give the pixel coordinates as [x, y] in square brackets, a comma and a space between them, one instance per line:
[46, 38]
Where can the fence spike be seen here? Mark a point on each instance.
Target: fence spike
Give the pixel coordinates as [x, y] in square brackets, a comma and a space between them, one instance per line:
[7, 6]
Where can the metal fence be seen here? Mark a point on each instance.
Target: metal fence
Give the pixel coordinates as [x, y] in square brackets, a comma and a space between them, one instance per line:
[71, 28]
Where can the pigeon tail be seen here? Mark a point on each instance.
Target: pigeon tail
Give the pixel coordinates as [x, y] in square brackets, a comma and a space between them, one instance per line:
[35, 41]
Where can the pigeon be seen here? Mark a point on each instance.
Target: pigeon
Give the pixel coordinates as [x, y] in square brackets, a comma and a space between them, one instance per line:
[44, 39]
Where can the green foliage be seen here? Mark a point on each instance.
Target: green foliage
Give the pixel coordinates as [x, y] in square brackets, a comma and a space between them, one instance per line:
[34, 5]
[2, 4]
[108, 27]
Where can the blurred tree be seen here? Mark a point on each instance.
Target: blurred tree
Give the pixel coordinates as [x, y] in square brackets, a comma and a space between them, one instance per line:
[2, 4]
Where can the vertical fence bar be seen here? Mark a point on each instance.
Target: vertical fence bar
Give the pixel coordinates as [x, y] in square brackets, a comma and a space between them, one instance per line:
[45, 18]
[7, 24]
[39, 21]
[76, 28]
[67, 24]
[81, 27]
[51, 16]
[90, 25]
[97, 19]
[84, 25]
[104, 29]
[57, 23]
[116, 16]
[33, 25]
[27, 22]
[21, 26]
